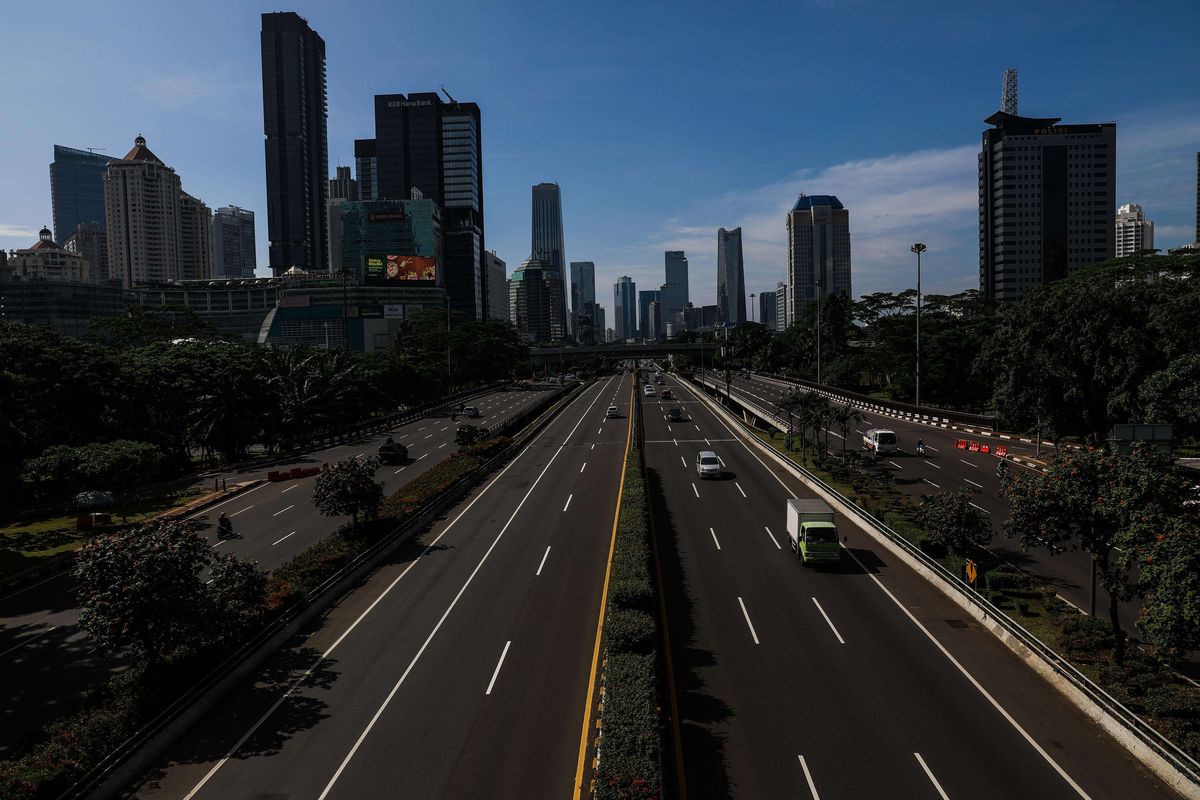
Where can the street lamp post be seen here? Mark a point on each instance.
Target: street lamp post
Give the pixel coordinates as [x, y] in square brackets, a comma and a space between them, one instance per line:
[752, 296]
[818, 331]
[918, 248]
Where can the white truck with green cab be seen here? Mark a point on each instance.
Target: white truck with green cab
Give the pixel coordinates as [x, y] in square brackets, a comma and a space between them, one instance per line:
[812, 532]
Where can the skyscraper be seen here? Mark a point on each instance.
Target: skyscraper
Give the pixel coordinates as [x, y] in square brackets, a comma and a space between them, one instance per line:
[675, 289]
[1198, 197]
[781, 306]
[818, 231]
[141, 206]
[1046, 200]
[342, 186]
[625, 308]
[645, 323]
[583, 298]
[233, 243]
[297, 153]
[766, 309]
[731, 280]
[1133, 231]
[366, 168]
[547, 228]
[497, 293]
[89, 241]
[76, 189]
[535, 302]
[195, 238]
[436, 148]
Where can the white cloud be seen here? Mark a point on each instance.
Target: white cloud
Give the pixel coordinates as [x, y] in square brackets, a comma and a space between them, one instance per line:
[217, 93]
[18, 231]
[929, 196]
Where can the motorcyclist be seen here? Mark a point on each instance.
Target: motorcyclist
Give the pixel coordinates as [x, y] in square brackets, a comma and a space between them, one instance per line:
[920, 447]
[1002, 469]
[224, 526]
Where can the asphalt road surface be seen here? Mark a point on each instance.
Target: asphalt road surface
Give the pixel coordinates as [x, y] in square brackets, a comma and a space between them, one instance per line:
[459, 669]
[861, 681]
[945, 468]
[47, 662]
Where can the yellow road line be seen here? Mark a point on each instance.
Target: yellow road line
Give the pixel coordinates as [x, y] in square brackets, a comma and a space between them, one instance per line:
[587, 708]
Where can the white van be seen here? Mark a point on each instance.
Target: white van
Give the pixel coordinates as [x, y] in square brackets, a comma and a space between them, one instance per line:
[880, 441]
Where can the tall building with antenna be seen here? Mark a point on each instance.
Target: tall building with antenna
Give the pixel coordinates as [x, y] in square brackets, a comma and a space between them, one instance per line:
[1047, 194]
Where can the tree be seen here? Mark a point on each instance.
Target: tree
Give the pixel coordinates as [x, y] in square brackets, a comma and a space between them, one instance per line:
[144, 325]
[1172, 396]
[846, 417]
[236, 594]
[952, 522]
[468, 435]
[1103, 503]
[1170, 573]
[348, 487]
[61, 470]
[140, 589]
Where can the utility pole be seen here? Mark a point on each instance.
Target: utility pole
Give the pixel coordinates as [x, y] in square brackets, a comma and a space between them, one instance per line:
[818, 331]
[752, 296]
[918, 248]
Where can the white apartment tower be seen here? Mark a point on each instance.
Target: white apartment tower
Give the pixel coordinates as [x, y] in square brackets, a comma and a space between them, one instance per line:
[142, 220]
[1134, 231]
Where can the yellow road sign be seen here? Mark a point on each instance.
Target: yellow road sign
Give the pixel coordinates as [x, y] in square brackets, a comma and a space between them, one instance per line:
[971, 571]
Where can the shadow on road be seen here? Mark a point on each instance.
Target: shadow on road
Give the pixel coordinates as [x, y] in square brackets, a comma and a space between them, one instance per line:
[701, 713]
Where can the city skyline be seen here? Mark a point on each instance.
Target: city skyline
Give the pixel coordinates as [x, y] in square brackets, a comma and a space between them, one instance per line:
[210, 120]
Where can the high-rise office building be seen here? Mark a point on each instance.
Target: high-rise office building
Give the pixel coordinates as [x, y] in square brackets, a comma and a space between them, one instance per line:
[89, 241]
[343, 186]
[392, 242]
[818, 233]
[1198, 197]
[645, 298]
[1046, 200]
[497, 293]
[1133, 231]
[710, 316]
[781, 306]
[141, 208]
[76, 190]
[583, 292]
[366, 168]
[766, 310]
[295, 108]
[625, 308]
[233, 243]
[195, 239]
[436, 148]
[536, 301]
[731, 279]
[675, 289]
[546, 230]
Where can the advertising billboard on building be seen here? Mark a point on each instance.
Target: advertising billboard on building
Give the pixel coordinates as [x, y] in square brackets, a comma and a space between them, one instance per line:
[410, 270]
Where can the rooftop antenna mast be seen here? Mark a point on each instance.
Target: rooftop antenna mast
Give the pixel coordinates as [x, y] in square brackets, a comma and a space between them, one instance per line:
[448, 97]
[1008, 100]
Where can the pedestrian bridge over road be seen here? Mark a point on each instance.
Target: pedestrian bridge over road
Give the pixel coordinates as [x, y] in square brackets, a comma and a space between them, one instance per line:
[616, 351]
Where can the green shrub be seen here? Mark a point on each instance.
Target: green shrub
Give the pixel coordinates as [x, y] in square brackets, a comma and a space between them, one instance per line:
[629, 631]
[631, 592]
[631, 744]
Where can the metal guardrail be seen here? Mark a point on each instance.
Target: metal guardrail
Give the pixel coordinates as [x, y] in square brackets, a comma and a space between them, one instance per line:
[103, 771]
[908, 410]
[1146, 733]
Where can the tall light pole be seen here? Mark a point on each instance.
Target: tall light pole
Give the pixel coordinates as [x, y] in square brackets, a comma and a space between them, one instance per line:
[818, 284]
[918, 248]
[752, 296]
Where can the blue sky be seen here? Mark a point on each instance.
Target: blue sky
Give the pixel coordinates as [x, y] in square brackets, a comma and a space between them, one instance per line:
[660, 121]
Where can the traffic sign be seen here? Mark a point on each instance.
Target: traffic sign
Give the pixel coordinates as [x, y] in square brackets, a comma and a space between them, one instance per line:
[972, 572]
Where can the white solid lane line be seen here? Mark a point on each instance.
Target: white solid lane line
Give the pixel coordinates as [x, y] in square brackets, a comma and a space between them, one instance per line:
[397, 472]
[973, 483]
[277, 541]
[931, 483]
[280, 511]
[247, 508]
[714, 535]
[928, 772]
[499, 664]
[968, 463]
[740, 489]
[544, 557]
[935, 466]
[828, 620]
[293, 486]
[568, 504]
[694, 489]
[812, 788]
[981, 508]
[749, 624]
[773, 540]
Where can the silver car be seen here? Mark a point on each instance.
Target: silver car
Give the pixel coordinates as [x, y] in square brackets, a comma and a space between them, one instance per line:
[708, 465]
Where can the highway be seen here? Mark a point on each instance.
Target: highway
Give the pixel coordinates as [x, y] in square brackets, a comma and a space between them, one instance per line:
[856, 682]
[458, 669]
[946, 468]
[46, 661]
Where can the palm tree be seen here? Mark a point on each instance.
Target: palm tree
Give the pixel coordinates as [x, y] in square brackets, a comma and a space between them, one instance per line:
[312, 388]
[846, 417]
[790, 402]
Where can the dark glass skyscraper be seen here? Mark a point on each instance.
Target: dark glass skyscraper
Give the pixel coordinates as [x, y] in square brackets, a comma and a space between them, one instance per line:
[297, 152]
[625, 308]
[547, 228]
[436, 148]
[731, 279]
[675, 289]
[76, 190]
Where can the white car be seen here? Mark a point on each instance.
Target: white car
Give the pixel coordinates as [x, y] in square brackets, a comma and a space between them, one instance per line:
[649, 391]
[880, 441]
[612, 413]
[707, 464]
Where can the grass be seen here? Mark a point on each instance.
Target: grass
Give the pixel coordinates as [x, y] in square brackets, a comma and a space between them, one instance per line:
[27, 543]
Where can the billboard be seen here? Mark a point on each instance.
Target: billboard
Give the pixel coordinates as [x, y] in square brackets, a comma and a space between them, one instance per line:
[410, 270]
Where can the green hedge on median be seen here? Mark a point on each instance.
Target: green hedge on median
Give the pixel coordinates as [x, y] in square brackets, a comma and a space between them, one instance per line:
[631, 742]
